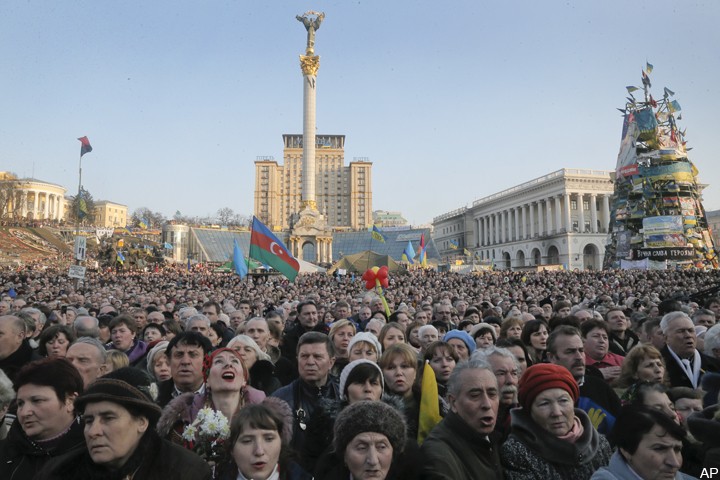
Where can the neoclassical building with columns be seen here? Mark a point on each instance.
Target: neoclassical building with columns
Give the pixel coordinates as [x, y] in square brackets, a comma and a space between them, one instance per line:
[32, 199]
[560, 218]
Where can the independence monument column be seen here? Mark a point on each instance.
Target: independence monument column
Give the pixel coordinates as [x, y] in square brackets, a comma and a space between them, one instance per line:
[311, 226]
[309, 64]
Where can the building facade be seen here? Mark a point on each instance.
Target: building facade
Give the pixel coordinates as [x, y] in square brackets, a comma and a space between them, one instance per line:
[559, 219]
[110, 214]
[343, 193]
[31, 199]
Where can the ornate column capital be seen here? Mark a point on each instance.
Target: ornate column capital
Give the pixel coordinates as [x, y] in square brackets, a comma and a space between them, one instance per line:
[309, 64]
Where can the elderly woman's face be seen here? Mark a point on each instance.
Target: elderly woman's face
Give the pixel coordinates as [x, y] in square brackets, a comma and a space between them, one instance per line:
[256, 452]
[363, 350]
[661, 402]
[369, 456]
[246, 352]
[111, 433]
[650, 370]
[226, 373]
[553, 410]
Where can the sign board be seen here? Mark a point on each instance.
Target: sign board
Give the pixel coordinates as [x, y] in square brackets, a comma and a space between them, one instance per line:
[80, 247]
[665, 253]
[76, 271]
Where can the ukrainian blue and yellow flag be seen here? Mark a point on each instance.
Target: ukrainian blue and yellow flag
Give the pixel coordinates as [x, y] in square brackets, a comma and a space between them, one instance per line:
[409, 253]
[377, 234]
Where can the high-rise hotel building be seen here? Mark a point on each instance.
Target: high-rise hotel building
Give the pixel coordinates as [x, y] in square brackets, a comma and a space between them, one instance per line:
[343, 193]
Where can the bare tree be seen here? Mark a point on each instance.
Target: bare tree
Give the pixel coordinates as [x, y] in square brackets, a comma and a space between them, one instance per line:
[225, 215]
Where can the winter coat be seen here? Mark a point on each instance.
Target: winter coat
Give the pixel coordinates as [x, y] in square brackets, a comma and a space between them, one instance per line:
[706, 429]
[618, 470]
[153, 459]
[455, 451]
[292, 472]
[262, 377]
[532, 452]
[22, 458]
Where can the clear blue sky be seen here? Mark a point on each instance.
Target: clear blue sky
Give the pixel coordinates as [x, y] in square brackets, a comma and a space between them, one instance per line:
[451, 101]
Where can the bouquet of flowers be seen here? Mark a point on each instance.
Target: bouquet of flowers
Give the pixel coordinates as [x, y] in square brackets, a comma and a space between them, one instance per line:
[207, 434]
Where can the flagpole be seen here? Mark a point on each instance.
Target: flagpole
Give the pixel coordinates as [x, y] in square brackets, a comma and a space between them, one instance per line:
[77, 222]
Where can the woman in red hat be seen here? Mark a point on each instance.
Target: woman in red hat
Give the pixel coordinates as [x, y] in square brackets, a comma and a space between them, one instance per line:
[550, 438]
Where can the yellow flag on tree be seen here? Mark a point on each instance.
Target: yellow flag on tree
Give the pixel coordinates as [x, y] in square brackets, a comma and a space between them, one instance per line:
[429, 406]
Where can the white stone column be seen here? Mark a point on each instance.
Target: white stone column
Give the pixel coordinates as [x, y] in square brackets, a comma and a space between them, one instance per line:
[36, 204]
[581, 213]
[606, 212]
[502, 227]
[46, 209]
[309, 66]
[516, 213]
[525, 233]
[548, 213]
[558, 214]
[541, 228]
[568, 213]
[531, 206]
[593, 213]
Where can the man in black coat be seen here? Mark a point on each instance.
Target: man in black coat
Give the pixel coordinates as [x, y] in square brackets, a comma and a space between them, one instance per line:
[685, 364]
[15, 351]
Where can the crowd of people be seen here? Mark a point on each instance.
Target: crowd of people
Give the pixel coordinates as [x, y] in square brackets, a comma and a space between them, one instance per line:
[192, 374]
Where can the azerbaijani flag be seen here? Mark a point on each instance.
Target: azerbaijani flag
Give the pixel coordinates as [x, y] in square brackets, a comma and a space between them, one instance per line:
[85, 146]
[268, 249]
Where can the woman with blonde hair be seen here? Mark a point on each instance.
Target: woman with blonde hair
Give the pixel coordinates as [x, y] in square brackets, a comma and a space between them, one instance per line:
[340, 335]
[644, 363]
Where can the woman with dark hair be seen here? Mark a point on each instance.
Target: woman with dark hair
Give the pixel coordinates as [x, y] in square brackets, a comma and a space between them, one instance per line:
[443, 358]
[648, 445]
[411, 335]
[534, 336]
[55, 340]
[46, 425]
[123, 337]
[259, 444]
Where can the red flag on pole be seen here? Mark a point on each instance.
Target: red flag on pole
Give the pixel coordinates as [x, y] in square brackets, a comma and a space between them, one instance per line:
[85, 146]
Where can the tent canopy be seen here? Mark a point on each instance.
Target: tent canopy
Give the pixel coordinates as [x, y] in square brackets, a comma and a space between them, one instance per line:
[361, 261]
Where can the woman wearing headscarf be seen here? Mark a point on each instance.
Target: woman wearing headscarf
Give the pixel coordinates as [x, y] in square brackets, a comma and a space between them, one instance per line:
[550, 438]
[119, 418]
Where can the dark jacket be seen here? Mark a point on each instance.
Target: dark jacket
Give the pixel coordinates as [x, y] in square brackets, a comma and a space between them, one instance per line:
[291, 337]
[16, 360]
[303, 400]
[262, 377]
[154, 459]
[532, 453]
[455, 451]
[621, 347]
[676, 374]
[706, 430]
[600, 402]
[21, 458]
[292, 472]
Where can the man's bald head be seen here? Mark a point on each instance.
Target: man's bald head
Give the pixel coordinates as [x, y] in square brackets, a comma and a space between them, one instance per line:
[12, 334]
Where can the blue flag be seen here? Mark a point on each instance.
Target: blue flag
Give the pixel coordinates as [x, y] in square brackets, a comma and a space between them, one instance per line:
[239, 264]
[409, 253]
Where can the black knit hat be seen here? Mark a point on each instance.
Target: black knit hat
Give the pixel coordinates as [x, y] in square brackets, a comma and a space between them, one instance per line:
[120, 392]
[370, 416]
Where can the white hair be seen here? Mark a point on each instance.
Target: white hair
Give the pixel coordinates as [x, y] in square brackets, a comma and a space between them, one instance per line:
[665, 322]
